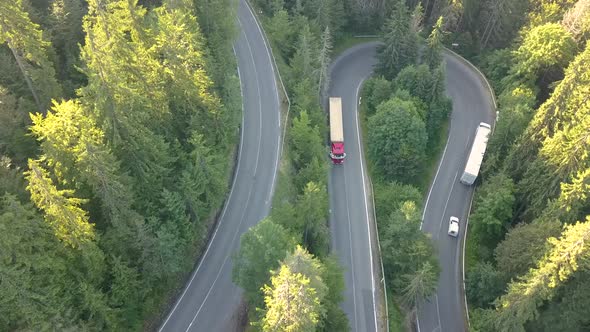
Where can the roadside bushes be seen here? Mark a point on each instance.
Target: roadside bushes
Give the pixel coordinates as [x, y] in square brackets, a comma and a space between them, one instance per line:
[397, 139]
[405, 117]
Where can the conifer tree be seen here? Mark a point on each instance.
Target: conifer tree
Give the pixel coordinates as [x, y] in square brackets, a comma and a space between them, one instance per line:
[525, 296]
[294, 299]
[400, 42]
[433, 55]
[25, 40]
[324, 63]
[62, 211]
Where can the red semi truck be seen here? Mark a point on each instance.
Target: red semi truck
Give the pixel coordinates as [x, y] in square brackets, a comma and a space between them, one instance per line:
[336, 133]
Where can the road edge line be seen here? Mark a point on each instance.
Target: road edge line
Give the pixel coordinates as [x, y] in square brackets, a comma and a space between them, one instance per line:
[365, 174]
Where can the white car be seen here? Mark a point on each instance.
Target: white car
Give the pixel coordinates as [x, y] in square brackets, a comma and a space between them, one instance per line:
[454, 226]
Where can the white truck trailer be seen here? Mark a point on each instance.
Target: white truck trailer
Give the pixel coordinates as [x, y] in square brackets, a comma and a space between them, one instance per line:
[478, 150]
[336, 132]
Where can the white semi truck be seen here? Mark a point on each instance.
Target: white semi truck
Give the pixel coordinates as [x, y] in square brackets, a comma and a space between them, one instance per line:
[478, 150]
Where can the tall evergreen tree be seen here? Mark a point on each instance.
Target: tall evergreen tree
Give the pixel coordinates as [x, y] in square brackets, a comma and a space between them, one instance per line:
[261, 250]
[525, 296]
[565, 104]
[294, 299]
[62, 212]
[400, 43]
[433, 55]
[125, 92]
[25, 40]
[324, 63]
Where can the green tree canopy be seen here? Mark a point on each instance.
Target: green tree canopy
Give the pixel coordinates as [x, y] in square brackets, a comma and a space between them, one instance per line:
[261, 250]
[544, 48]
[294, 298]
[483, 285]
[433, 54]
[400, 42]
[397, 139]
[523, 246]
[524, 297]
[493, 208]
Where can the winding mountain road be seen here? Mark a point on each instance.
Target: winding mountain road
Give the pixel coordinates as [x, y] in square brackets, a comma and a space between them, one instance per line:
[351, 223]
[210, 301]
[472, 104]
[350, 213]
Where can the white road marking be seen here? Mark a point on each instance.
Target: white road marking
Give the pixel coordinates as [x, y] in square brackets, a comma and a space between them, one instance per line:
[274, 173]
[438, 313]
[221, 217]
[259, 100]
[279, 146]
[358, 129]
[446, 204]
[467, 142]
[268, 51]
[435, 177]
[222, 264]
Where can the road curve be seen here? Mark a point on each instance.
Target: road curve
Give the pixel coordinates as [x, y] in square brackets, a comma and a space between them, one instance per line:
[472, 104]
[210, 300]
[351, 225]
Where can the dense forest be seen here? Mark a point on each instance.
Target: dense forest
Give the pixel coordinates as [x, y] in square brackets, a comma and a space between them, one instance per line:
[117, 132]
[528, 260]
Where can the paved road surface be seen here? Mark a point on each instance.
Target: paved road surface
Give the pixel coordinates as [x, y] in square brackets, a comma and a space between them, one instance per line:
[210, 300]
[349, 211]
[448, 197]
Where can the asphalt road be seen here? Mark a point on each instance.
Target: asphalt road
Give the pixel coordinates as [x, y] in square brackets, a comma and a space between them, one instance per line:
[472, 104]
[210, 300]
[350, 212]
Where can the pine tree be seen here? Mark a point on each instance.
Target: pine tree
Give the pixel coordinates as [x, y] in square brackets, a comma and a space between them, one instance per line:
[565, 102]
[433, 55]
[525, 296]
[312, 220]
[500, 20]
[65, 26]
[125, 92]
[324, 63]
[400, 43]
[192, 101]
[294, 299]
[420, 285]
[262, 248]
[25, 40]
[303, 62]
[62, 212]
[73, 147]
